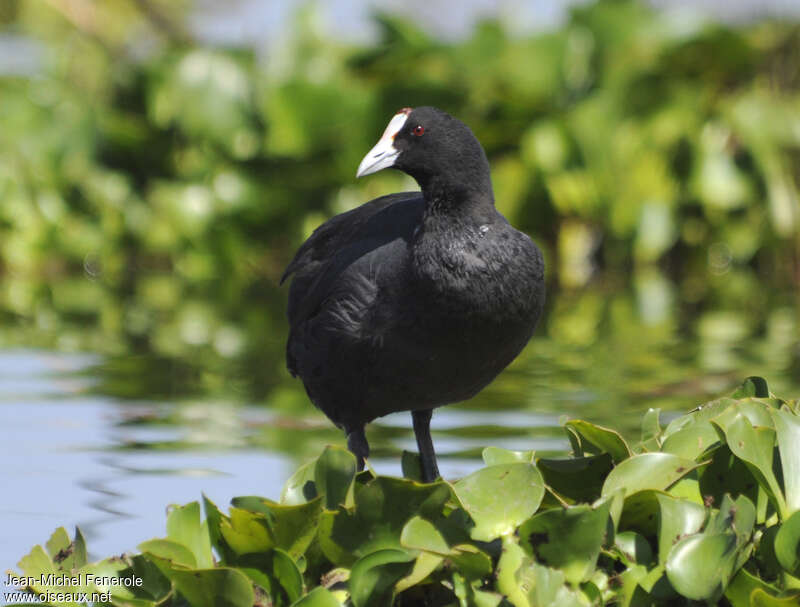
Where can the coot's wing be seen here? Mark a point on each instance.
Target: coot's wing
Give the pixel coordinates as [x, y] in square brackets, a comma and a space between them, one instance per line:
[342, 240]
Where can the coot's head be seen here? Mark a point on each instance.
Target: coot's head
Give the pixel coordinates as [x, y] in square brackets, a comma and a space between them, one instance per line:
[438, 151]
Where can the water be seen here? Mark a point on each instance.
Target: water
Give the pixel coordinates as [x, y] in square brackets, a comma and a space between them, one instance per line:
[107, 441]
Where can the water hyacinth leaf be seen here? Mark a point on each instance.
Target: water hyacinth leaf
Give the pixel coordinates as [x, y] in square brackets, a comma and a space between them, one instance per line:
[737, 515]
[411, 465]
[677, 518]
[498, 498]
[545, 587]
[425, 564]
[61, 550]
[634, 548]
[319, 597]
[155, 586]
[469, 596]
[787, 544]
[760, 598]
[577, 478]
[692, 434]
[334, 474]
[171, 551]
[691, 441]
[496, 455]
[246, 532]
[567, 539]
[221, 587]
[511, 559]
[639, 512]
[787, 428]
[754, 446]
[300, 487]
[752, 386]
[629, 584]
[742, 586]
[184, 525]
[756, 411]
[597, 439]
[79, 552]
[651, 427]
[292, 527]
[727, 474]
[647, 471]
[713, 554]
[472, 562]
[420, 534]
[287, 574]
[373, 577]
[214, 519]
[382, 508]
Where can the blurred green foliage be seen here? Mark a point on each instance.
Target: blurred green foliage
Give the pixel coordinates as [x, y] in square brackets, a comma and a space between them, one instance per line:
[153, 187]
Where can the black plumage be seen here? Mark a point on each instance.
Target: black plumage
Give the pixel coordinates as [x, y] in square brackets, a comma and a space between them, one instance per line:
[413, 300]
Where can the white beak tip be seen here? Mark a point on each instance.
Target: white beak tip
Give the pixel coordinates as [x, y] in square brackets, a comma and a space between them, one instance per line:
[384, 154]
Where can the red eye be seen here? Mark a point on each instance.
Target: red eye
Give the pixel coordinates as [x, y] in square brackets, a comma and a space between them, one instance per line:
[419, 130]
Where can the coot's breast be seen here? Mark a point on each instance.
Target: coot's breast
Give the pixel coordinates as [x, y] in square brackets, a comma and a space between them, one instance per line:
[468, 309]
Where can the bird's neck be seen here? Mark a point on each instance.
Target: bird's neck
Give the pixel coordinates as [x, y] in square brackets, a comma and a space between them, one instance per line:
[459, 197]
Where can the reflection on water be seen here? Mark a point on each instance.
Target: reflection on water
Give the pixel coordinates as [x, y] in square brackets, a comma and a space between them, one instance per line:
[107, 440]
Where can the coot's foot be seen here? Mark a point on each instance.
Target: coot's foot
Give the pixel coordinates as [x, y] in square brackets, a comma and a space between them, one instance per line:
[358, 445]
[422, 430]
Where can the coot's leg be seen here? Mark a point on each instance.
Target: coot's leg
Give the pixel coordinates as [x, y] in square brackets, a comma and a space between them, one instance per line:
[422, 430]
[358, 445]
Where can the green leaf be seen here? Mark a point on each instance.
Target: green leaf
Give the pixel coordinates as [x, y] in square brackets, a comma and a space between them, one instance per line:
[787, 428]
[759, 598]
[247, 532]
[754, 446]
[419, 534]
[61, 549]
[787, 544]
[579, 479]
[411, 464]
[677, 518]
[511, 559]
[319, 597]
[567, 539]
[221, 587]
[214, 520]
[646, 471]
[727, 474]
[692, 434]
[545, 587]
[496, 455]
[498, 498]
[291, 527]
[334, 474]
[382, 508]
[752, 386]
[634, 548]
[373, 577]
[425, 564]
[300, 487]
[185, 527]
[597, 439]
[713, 554]
[287, 574]
[170, 550]
[742, 586]
[651, 430]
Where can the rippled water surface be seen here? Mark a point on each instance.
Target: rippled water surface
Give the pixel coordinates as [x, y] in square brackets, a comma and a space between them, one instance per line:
[106, 442]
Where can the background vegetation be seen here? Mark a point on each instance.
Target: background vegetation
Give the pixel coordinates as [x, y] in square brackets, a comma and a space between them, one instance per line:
[153, 187]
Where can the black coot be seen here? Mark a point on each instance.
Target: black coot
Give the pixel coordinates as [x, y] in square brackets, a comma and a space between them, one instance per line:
[412, 300]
